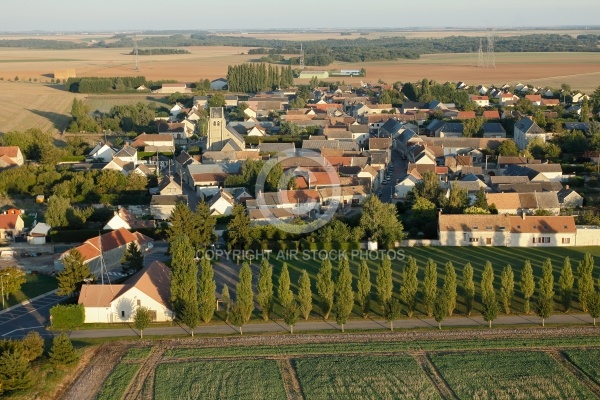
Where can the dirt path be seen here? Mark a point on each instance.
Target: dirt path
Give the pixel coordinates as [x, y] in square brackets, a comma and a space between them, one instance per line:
[433, 374]
[134, 391]
[290, 379]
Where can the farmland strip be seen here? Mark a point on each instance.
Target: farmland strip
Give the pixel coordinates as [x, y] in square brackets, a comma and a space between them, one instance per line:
[290, 380]
[433, 374]
[579, 374]
[134, 391]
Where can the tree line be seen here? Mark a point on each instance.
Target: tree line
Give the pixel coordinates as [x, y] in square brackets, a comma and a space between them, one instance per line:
[152, 52]
[253, 78]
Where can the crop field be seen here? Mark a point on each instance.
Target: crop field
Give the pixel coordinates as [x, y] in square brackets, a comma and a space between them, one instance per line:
[247, 379]
[367, 366]
[226, 272]
[363, 378]
[508, 375]
[105, 103]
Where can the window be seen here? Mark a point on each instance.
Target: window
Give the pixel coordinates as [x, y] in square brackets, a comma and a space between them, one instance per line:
[566, 240]
[139, 303]
[472, 239]
[546, 239]
[122, 314]
[488, 240]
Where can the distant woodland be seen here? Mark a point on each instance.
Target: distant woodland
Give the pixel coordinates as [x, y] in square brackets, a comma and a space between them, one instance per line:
[325, 52]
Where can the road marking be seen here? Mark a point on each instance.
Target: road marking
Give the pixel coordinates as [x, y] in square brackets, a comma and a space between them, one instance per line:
[29, 312]
[21, 329]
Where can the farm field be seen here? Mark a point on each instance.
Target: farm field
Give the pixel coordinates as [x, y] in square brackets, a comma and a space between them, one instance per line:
[105, 103]
[348, 366]
[587, 360]
[226, 272]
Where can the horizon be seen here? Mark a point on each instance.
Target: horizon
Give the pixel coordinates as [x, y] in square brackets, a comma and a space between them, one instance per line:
[114, 15]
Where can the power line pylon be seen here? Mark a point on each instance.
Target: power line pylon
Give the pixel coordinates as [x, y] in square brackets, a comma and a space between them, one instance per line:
[480, 60]
[135, 54]
[301, 57]
[491, 58]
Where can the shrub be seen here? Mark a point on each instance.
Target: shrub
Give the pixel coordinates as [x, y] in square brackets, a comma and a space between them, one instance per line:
[67, 316]
[63, 353]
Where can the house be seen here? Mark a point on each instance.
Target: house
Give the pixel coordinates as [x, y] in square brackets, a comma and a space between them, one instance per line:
[182, 161]
[568, 198]
[171, 88]
[536, 172]
[533, 231]
[10, 156]
[491, 114]
[550, 102]
[175, 110]
[218, 84]
[301, 202]
[579, 97]
[116, 164]
[527, 130]
[111, 246]
[101, 151]
[507, 99]
[481, 101]
[505, 203]
[150, 288]
[125, 219]
[162, 206]
[155, 142]
[493, 130]
[38, 233]
[314, 74]
[127, 154]
[345, 195]
[168, 186]
[221, 204]
[407, 185]
[11, 225]
[534, 201]
[535, 99]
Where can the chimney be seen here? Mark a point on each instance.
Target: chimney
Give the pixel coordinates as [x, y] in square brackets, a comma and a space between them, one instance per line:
[567, 187]
[523, 214]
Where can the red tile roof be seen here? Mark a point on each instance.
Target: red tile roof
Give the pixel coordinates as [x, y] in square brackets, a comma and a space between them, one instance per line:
[8, 221]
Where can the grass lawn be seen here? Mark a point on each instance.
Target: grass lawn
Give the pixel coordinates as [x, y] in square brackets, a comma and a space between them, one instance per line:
[459, 256]
[34, 285]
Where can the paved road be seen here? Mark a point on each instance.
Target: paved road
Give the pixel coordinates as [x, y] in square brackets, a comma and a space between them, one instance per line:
[32, 316]
[366, 324]
[399, 172]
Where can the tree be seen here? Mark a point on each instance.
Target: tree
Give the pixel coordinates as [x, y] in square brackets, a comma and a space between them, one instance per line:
[325, 287]
[430, 286]
[239, 229]
[33, 345]
[585, 111]
[141, 319]
[391, 311]
[237, 317]
[133, 259]
[74, 273]
[363, 288]
[207, 288]
[226, 299]
[216, 100]
[284, 293]
[190, 314]
[184, 273]
[585, 281]
[508, 148]
[62, 352]
[244, 294]
[507, 280]
[384, 281]
[449, 288]
[480, 199]
[457, 201]
[344, 295]
[527, 285]
[594, 306]
[12, 278]
[291, 312]
[545, 303]
[488, 294]
[440, 309]
[468, 287]
[565, 282]
[429, 187]
[305, 294]
[56, 212]
[265, 288]
[410, 285]
[544, 308]
[380, 221]
[15, 371]
[205, 224]
[183, 223]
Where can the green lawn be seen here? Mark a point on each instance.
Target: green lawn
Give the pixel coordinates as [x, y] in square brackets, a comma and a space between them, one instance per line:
[34, 285]
[459, 256]
[248, 379]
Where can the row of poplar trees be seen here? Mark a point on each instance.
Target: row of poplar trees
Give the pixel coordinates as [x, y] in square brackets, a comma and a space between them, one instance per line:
[253, 78]
[193, 290]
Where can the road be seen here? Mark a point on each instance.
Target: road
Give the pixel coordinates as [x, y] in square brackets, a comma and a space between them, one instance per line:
[32, 316]
[358, 324]
[399, 172]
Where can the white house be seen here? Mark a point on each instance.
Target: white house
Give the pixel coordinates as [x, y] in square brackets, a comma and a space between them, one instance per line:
[148, 288]
[481, 101]
[221, 204]
[407, 184]
[525, 131]
[102, 151]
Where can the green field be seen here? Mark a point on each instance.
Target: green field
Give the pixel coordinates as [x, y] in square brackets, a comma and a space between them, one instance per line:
[117, 382]
[248, 379]
[105, 103]
[363, 378]
[459, 256]
[508, 375]
[588, 360]
[137, 353]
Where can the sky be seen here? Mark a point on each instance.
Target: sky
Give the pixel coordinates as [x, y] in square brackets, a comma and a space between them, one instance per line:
[118, 15]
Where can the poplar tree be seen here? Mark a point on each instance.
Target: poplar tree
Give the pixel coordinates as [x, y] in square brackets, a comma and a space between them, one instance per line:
[488, 294]
[305, 294]
[290, 314]
[527, 285]
[244, 294]
[237, 316]
[391, 311]
[207, 288]
[545, 304]
[430, 287]
[226, 299]
[344, 295]
[325, 287]
[265, 288]
[184, 273]
[508, 288]
[585, 281]
[594, 306]
[449, 288]
[410, 285]
[440, 309]
[363, 288]
[565, 282]
[468, 287]
[190, 315]
[384, 282]
[284, 293]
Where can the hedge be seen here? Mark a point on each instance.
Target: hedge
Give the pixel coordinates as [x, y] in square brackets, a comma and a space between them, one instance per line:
[67, 316]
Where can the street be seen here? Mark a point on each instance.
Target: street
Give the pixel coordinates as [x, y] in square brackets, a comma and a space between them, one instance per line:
[399, 173]
[32, 316]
